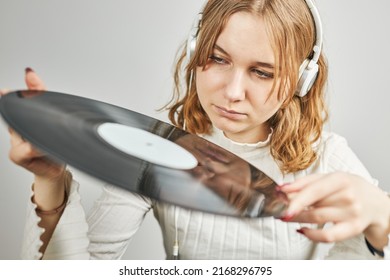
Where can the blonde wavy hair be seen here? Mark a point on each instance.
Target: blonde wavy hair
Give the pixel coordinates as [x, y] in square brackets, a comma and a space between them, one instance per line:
[290, 27]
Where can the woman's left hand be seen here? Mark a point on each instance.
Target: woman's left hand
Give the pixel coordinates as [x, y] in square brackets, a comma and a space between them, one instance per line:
[348, 201]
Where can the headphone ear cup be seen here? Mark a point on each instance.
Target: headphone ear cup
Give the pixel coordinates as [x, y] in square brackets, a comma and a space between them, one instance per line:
[308, 72]
[191, 45]
[192, 37]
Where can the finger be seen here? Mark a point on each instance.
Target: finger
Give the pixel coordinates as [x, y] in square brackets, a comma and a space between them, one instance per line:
[342, 198]
[33, 81]
[16, 138]
[321, 215]
[11, 131]
[334, 233]
[4, 91]
[313, 193]
[300, 183]
[24, 153]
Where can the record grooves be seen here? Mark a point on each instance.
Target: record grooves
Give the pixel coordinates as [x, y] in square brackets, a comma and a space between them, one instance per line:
[193, 173]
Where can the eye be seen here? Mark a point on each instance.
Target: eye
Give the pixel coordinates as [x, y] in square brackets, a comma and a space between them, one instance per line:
[262, 74]
[217, 59]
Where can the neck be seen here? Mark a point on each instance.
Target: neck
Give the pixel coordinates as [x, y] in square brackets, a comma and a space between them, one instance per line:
[250, 137]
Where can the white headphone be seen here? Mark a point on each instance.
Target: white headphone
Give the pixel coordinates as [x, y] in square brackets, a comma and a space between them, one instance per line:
[308, 70]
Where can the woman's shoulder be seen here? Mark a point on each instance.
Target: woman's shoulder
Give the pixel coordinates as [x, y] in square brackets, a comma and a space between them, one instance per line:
[331, 140]
[335, 154]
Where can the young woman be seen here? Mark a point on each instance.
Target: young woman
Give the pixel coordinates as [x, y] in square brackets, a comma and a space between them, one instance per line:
[243, 90]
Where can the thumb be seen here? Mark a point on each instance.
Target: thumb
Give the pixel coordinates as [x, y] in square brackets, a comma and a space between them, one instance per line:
[4, 91]
[33, 81]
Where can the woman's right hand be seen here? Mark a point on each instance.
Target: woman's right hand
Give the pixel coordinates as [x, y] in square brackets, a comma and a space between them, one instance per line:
[51, 177]
[25, 155]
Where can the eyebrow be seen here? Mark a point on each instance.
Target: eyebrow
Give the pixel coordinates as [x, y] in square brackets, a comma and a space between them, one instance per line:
[258, 63]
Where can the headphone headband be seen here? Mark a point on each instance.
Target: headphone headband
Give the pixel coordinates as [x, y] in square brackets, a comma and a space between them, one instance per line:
[319, 33]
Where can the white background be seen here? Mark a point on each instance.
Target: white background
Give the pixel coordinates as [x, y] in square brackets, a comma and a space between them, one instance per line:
[122, 52]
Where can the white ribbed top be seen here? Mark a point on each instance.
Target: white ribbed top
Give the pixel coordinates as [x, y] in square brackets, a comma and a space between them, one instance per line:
[118, 214]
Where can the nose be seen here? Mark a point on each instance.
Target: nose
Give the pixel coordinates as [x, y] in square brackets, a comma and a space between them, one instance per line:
[235, 86]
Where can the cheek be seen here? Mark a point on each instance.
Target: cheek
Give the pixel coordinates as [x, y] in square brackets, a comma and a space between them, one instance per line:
[201, 82]
[274, 107]
[264, 106]
[208, 82]
[203, 88]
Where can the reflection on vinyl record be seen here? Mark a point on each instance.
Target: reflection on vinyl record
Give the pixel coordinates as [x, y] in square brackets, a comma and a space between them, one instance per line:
[141, 154]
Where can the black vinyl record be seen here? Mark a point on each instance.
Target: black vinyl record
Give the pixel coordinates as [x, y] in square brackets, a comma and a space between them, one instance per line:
[152, 158]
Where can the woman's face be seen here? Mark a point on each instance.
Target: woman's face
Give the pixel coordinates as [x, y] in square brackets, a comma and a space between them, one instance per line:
[234, 87]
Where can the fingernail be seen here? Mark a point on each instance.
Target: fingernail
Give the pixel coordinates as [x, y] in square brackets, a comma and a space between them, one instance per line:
[279, 188]
[287, 217]
[301, 231]
[28, 70]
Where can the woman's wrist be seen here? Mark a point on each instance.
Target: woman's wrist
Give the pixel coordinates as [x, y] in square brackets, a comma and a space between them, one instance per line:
[377, 234]
[374, 250]
[54, 211]
[50, 194]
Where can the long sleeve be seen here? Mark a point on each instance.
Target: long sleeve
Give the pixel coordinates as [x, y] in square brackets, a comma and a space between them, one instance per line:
[114, 219]
[342, 158]
[105, 234]
[31, 239]
[353, 249]
[334, 155]
[69, 239]
[117, 215]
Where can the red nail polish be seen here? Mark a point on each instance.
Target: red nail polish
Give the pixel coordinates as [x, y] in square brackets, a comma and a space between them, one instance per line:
[28, 70]
[287, 217]
[301, 231]
[280, 187]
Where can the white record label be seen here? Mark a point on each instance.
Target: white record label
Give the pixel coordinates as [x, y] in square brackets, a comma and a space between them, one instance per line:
[146, 146]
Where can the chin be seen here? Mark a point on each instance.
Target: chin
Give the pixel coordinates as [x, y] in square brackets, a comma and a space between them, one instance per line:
[227, 126]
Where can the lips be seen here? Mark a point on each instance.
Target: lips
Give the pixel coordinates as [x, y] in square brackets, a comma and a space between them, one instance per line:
[229, 111]
[230, 114]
